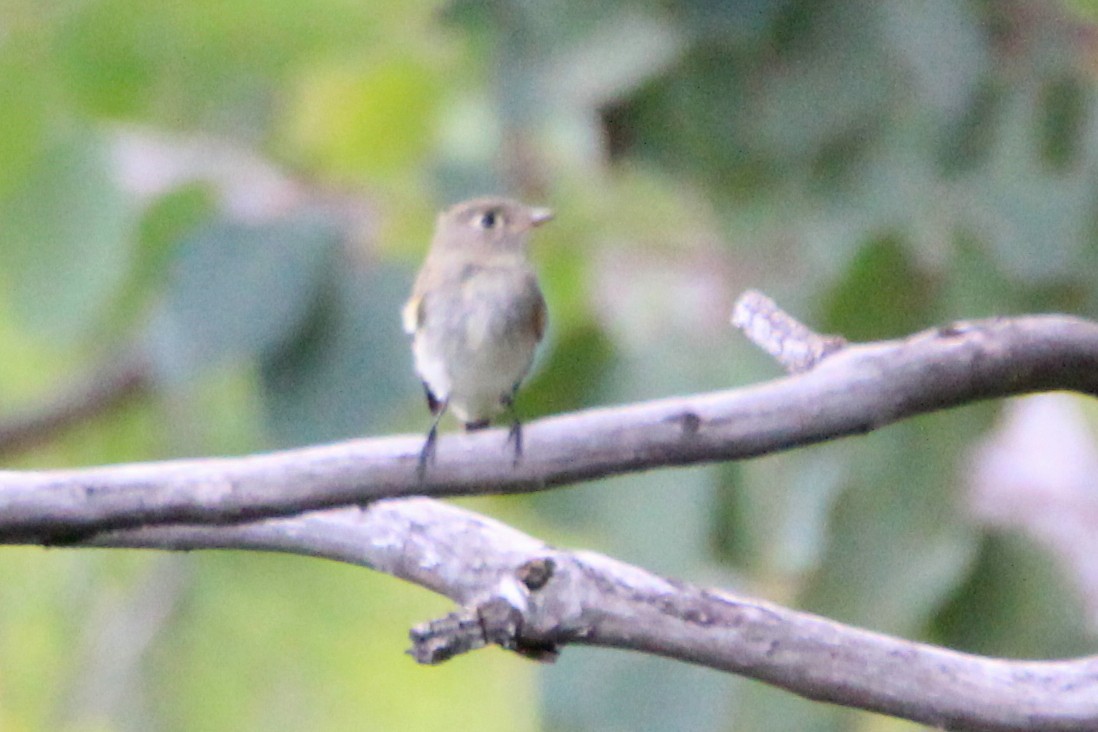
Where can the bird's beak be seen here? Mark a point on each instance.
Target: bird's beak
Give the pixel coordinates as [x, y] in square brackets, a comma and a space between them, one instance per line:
[539, 216]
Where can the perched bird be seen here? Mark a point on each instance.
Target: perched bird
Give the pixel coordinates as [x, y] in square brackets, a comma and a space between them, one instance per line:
[476, 315]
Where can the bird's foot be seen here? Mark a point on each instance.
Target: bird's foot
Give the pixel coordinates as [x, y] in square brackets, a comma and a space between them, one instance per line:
[427, 454]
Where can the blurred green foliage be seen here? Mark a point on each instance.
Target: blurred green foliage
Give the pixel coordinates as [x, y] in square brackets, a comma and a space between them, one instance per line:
[878, 166]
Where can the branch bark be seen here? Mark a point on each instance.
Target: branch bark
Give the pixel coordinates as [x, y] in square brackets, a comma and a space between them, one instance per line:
[522, 594]
[853, 390]
[518, 592]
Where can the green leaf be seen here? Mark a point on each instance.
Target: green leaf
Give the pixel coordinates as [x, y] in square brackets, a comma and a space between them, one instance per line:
[237, 292]
[163, 226]
[207, 60]
[897, 544]
[569, 376]
[1088, 9]
[745, 21]
[883, 294]
[1067, 103]
[939, 42]
[218, 669]
[373, 118]
[27, 109]
[759, 705]
[66, 239]
[774, 512]
[593, 689]
[1036, 214]
[1017, 603]
[834, 86]
[349, 369]
[966, 139]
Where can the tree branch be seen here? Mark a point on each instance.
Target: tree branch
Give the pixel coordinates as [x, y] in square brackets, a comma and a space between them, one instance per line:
[111, 383]
[520, 593]
[853, 390]
[792, 343]
[524, 595]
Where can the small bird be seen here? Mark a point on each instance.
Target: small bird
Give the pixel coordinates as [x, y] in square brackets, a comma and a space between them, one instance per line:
[476, 315]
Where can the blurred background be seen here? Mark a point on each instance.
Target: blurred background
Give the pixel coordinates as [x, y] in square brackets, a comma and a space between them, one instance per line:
[211, 212]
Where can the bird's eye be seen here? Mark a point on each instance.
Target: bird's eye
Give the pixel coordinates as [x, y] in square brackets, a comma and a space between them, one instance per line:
[488, 220]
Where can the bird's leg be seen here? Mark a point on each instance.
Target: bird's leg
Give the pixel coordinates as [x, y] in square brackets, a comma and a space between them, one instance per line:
[427, 454]
[433, 403]
[515, 434]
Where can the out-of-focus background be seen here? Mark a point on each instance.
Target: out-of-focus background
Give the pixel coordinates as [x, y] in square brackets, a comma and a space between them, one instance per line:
[211, 211]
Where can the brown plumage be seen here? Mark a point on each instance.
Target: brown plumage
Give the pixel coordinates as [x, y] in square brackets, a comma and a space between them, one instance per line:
[476, 314]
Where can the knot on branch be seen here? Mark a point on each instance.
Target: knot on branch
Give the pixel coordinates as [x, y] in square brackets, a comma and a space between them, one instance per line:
[498, 619]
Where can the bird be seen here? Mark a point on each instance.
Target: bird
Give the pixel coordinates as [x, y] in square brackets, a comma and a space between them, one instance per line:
[476, 315]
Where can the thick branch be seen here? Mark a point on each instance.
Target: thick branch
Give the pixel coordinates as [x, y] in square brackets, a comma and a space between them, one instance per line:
[522, 594]
[854, 390]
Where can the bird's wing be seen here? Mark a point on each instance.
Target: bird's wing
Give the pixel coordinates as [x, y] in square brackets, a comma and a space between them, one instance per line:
[541, 316]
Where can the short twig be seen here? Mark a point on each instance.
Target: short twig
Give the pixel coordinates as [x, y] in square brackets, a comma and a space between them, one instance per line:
[792, 343]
